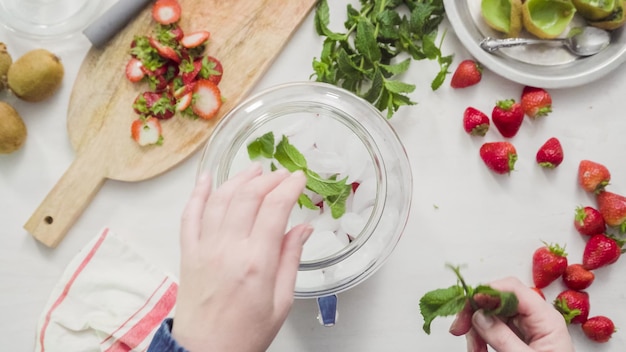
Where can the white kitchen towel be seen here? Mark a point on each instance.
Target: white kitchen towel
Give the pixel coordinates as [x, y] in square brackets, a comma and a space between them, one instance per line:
[109, 298]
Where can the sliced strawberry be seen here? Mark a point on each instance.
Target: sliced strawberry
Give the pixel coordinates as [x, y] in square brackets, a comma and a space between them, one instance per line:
[207, 99]
[165, 51]
[147, 131]
[184, 101]
[134, 70]
[166, 11]
[182, 91]
[159, 105]
[190, 70]
[195, 39]
[212, 69]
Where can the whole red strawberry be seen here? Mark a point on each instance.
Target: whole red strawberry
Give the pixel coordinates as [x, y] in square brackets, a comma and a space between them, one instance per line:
[549, 263]
[576, 277]
[500, 157]
[599, 328]
[613, 209]
[536, 102]
[507, 116]
[593, 176]
[601, 250]
[468, 73]
[573, 305]
[550, 154]
[475, 122]
[588, 221]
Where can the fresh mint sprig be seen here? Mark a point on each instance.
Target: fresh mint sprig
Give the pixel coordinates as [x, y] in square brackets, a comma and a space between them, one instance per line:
[361, 59]
[450, 301]
[334, 192]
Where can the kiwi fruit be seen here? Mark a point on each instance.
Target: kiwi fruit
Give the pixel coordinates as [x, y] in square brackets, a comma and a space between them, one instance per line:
[503, 15]
[12, 129]
[35, 75]
[547, 19]
[5, 63]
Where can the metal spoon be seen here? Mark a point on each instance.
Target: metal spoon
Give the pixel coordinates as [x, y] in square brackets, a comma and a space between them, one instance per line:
[586, 42]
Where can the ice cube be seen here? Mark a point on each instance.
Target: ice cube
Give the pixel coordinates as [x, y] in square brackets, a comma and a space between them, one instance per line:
[321, 244]
[365, 195]
[352, 223]
[322, 162]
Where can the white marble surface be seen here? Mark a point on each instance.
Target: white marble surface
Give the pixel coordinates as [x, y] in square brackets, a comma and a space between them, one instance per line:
[462, 213]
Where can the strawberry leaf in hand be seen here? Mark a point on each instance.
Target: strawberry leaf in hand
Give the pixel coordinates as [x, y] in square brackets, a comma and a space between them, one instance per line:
[441, 303]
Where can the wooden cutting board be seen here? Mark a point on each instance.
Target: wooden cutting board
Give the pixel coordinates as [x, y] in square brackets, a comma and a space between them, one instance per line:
[245, 35]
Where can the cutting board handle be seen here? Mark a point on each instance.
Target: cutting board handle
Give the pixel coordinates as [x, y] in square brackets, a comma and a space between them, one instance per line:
[66, 201]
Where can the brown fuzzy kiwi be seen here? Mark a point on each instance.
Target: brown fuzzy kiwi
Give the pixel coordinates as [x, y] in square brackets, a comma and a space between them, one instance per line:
[36, 75]
[5, 63]
[12, 129]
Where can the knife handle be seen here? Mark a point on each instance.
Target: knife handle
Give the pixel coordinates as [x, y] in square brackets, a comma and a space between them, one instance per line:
[66, 201]
[113, 21]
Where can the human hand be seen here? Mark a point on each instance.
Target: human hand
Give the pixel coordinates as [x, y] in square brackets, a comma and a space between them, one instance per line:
[238, 267]
[536, 327]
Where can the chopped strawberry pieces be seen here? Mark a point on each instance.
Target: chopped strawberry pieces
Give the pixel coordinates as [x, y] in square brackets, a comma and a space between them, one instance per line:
[147, 131]
[134, 70]
[166, 11]
[181, 77]
[208, 99]
[195, 39]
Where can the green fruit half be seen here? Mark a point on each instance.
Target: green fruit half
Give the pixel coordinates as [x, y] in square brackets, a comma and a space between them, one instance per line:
[615, 20]
[547, 19]
[503, 15]
[594, 9]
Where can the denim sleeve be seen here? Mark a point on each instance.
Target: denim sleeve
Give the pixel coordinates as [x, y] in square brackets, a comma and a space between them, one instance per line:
[163, 340]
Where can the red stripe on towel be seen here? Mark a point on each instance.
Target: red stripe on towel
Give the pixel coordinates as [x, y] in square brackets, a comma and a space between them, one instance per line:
[146, 325]
[137, 312]
[67, 287]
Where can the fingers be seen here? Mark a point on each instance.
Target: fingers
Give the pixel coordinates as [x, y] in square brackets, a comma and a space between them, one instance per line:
[271, 222]
[218, 203]
[475, 343]
[463, 321]
[245, 204]
[192, 215]
[497, 334]
[529, 301]
[291, 252]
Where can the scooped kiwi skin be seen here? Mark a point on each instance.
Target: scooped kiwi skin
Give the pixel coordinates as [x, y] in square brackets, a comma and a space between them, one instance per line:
[12, 129]
[36, 75]
[615, 20]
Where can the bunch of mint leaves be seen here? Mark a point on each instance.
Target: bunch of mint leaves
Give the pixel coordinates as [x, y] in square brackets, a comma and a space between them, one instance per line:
[334, 192]
[450, 301]
[361, 59]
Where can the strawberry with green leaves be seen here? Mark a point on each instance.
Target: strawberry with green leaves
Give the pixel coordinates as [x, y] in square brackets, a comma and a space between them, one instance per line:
[601, 250]
[475, 122]
[573, 306]
[588, 221]
[592, 176]
[550, 154]
[500, 157]
[612, 206]
[452, 300]
[576, 277]
[507, 115]
[160, 105]
[599, 328]
[468, 73]
[536, 102]
[548, 264]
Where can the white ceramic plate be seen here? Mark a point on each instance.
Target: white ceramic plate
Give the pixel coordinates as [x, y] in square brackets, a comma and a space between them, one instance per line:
[536, 65]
